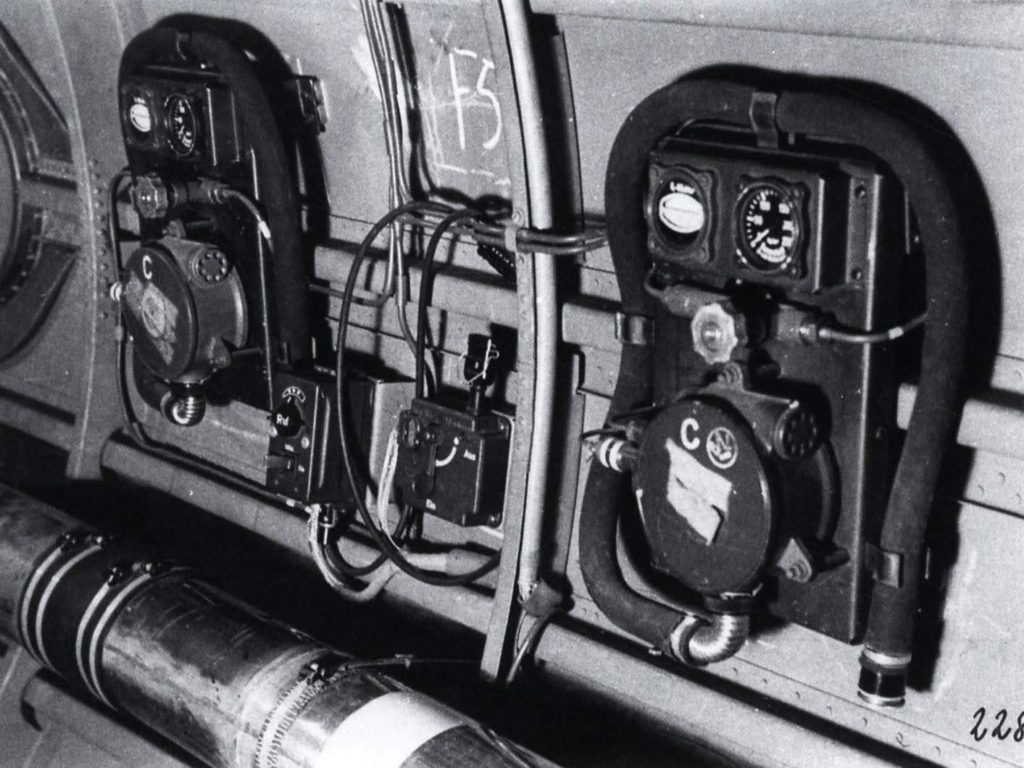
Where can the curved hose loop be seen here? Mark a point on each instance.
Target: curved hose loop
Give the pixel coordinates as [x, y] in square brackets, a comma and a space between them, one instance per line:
[655, 117]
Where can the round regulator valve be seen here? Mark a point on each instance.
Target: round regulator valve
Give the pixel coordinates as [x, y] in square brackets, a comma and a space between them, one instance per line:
[716, 333]
[705, 497]
[151, 196]
[184, 308]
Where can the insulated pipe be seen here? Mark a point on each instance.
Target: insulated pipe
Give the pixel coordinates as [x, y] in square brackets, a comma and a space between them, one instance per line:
[538, 181]
[933, 422]
[152, 641]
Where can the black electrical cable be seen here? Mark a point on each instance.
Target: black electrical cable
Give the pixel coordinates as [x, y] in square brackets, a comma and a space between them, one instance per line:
[264, 250]
[529, 644]
[113, 190]
[386, 545]
[527, 240]
[425, 281]
[169, 453]
[335, 560]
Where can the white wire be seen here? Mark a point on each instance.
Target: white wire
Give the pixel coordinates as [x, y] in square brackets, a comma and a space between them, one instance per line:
[389, 83]
[387, 479]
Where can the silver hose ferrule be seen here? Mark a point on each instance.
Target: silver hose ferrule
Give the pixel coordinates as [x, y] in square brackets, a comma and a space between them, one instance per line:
[698, 642]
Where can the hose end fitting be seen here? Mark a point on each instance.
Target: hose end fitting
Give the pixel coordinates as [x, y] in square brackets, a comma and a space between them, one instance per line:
[184, 406]
[698, 641]
[883, 679]
[681, 637]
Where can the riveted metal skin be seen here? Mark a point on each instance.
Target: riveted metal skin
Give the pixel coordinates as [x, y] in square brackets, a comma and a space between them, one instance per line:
[37, 231]
[154, 642]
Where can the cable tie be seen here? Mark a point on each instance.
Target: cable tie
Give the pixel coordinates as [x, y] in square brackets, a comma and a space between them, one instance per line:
[265, 231]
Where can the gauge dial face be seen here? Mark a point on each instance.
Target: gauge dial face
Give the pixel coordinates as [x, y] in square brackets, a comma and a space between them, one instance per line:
[769, 226]
[182, 124]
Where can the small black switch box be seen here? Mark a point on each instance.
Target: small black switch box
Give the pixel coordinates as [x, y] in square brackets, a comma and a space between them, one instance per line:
[453, 463]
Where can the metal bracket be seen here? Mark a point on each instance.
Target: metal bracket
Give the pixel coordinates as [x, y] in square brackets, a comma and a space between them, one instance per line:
[884, 567]
[635, 330]
[762, 119]
[309, 101]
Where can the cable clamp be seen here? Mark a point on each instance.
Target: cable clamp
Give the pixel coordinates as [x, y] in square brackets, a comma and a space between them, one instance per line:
[679, 640]
[885, 567]
[762, 119]
[511, 233]
[634, 330]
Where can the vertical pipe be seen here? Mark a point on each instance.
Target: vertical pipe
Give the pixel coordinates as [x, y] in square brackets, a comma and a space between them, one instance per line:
[538, 181]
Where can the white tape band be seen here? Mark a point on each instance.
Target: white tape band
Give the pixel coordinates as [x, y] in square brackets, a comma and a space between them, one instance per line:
[386, 731]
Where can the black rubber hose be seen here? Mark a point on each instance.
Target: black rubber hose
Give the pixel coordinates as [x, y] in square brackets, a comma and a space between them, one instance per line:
[149, 47]
[276, 191]
[935, 417]
[660, 114]
[329, 541]
[426, 281]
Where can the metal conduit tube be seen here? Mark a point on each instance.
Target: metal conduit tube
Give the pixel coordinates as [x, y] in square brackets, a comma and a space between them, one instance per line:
[154, 642]
[538, 181]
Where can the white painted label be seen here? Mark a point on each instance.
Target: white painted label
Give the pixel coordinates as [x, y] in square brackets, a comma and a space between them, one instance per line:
[697, 493]
[157, 313]
[689, 433]
[294, 393]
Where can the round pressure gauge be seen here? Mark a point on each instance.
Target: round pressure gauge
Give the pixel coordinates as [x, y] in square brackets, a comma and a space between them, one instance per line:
[182, 124]
[769, 226]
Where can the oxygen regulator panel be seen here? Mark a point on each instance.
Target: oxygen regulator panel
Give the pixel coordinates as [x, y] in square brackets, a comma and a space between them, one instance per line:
[765, 466]
[214, 295]
[187, 290]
